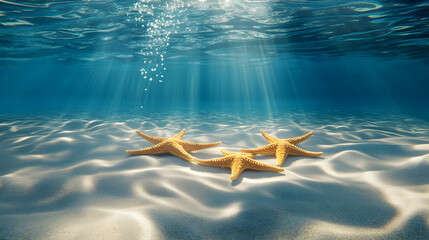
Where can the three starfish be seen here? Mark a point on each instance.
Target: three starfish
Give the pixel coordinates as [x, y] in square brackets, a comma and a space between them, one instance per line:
[283, 147]
[238, 162]
[174, 145]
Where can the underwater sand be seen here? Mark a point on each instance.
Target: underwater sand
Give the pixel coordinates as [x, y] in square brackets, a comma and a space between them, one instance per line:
[68, 177]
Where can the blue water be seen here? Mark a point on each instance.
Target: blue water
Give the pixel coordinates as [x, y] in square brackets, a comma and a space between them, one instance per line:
[151, 55]
[79, 77]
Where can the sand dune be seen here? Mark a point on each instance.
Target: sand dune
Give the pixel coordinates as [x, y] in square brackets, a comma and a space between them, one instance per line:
[68, 177]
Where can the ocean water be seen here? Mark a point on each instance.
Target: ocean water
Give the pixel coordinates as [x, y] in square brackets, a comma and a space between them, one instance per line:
[78, 78]
[133, 55]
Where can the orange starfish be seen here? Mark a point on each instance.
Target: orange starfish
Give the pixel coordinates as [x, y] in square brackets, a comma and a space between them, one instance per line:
[174, 145]
[238, 162]
[283, 147]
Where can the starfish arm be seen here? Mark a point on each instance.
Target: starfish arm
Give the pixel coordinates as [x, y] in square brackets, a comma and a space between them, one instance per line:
[190, 146]
[226, 153]
[216, 162]
[299, 139]
[180, 134]
[281, 155]
[154, 140]
[157, 149]
[267, 149]
[255, 165]
[269, 138]
[178, 151]
[294, 150]
[236, 169]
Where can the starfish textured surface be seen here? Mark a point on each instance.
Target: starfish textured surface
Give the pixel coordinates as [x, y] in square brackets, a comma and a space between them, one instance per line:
[283, 147]
[174, 145]
[238, 162]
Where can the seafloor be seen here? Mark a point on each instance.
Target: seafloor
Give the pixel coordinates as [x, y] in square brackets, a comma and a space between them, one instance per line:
[68, 177]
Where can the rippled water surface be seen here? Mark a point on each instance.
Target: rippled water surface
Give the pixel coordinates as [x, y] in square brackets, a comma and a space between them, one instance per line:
[70, 30]
[147, 53]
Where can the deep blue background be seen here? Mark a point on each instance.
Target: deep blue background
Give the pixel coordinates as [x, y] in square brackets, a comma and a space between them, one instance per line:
[64, 55]
[344, 82]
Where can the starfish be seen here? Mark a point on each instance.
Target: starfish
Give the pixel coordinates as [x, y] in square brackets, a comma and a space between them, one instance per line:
[174, 145]
[282, 147]
[238, 162]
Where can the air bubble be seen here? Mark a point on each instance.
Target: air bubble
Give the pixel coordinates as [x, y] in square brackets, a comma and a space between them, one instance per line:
[163, 22]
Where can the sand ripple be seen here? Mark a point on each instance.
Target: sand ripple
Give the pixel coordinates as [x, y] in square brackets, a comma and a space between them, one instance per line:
[68, 177]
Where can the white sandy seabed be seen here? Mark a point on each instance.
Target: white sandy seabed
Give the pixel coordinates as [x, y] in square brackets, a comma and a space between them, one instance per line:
[68, 177]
